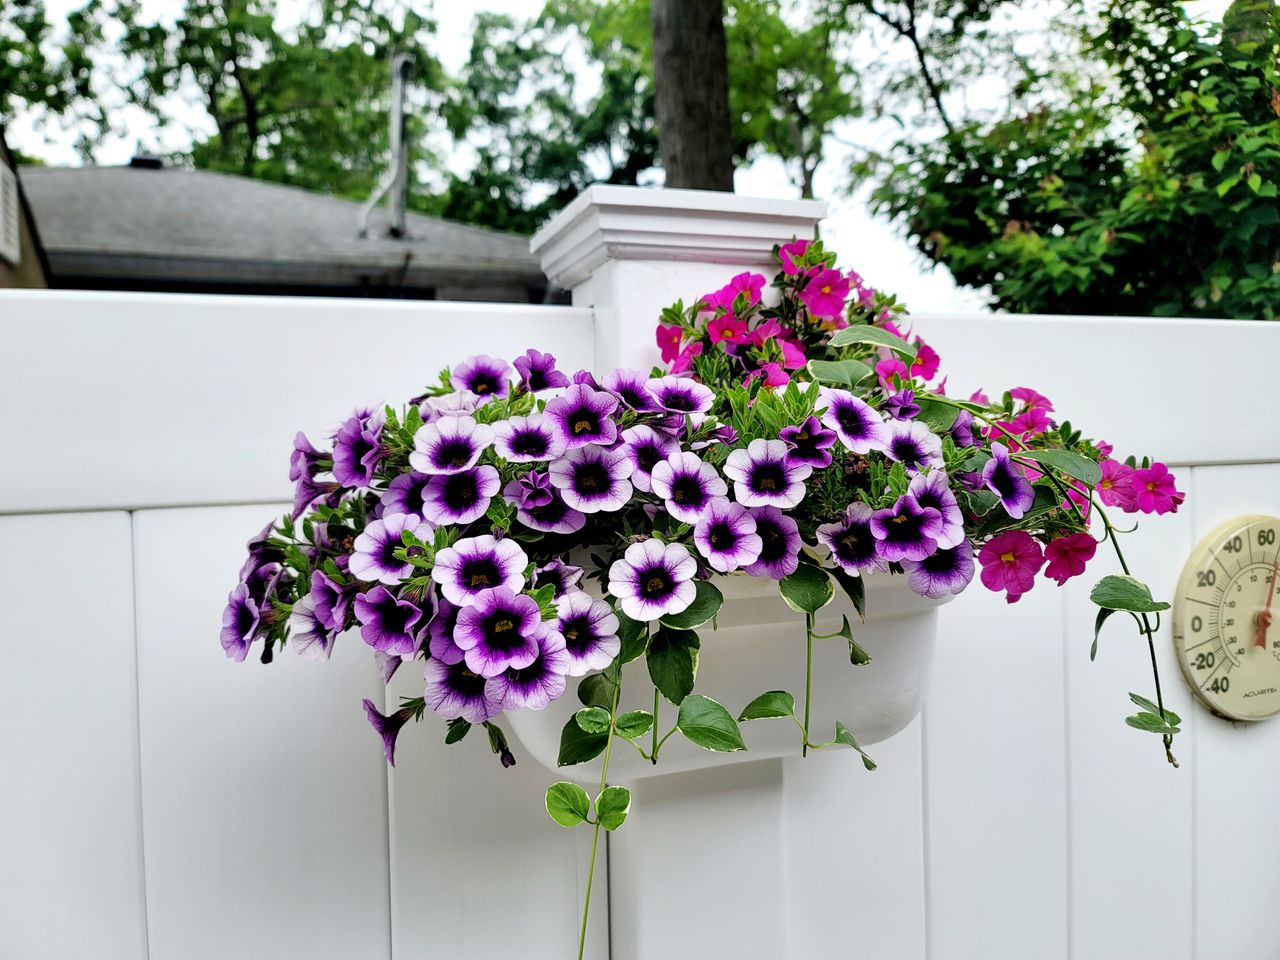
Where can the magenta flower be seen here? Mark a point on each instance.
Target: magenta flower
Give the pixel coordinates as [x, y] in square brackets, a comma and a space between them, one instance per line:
[590, 631]
[688, 485]
[750, 285]
[825, 293]
[646, 448]
[538, 372]
[906, 531]
[890, 372]
[593, 479]
[1006, 480]
[726, 536]
[789, 253]
[653, 579]
[1031, 422]
[527, 439]
[914, 445]
[793, 357]
[500, 630]
[1154, 490]
[387, 622]
[727, 329]
[476, 564]
[629, 387]
[1030, 398]
[484, 376]
[388, 727]
[680, 395]
[669, 338]
[762, 476]
[925, 365]
[1067, 556]
[779, 544]
[942, 572]
[856, 424]
[684, 362]
[453, 690]
[1115, 489]
[809, 443]
[773, 375]
[764, 331]
[1010, 562]
[852, 544]
[462, 497]
[582, 416]
[534, 686]
[449, 445]
[374, 559]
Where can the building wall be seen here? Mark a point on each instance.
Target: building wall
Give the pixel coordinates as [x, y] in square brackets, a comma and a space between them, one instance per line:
[29, 270]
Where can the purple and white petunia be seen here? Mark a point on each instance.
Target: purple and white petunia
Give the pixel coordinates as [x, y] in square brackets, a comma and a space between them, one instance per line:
[680, 395]
[590, 631]
[533, 489]
[388, 622]
[527, 439]
[726, 536]
[688, 484]
[809, 443]
[449, 445]
[404, 495]
[456, 404]
[942, 572]
[851, 542]
[762, 477]
[330, 599]
[499, 630]
[906, 531]
[455, 691]
[387, 664]
[630, 387]
[914, 445]
[240, 622]
[460, 497]
[357, 448]
[582, 416]
[440, 633]
[305, 459]
[779, 544]
[538, 372]
[593, 479]
[484, 376]
[961, 430]
[373, 559]
[646, 448]
[388, 727]
[562, 577]
[902, 405]
[534, 686]
[1007, 481]
[307, 491]
[554, 516]
[932, 489]
[653, 579]
[470, 567]
[311, 638]
[856, 423]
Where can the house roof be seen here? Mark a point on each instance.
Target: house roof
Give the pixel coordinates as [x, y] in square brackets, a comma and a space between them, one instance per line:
[166, 224]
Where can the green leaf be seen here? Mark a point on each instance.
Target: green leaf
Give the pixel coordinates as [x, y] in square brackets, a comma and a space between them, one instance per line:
[1118, 592]
[775, 703]
[1151, 707]
[843, 735]
[612, 807]
[458, 728]
[567, 803]
[854, 588]
[578, 746]
[709, 725]
[839, 373]
[938, 416]
[1225, 186]
[634, 635]
[1255, 182]
[857, 656]
[807, 590]
[1103, 613]
[673, 662]
[873, 335]
[633, 723]
[1072, 464]
[596, 690]
[593, 719]
[1151, 723]
[706, 604]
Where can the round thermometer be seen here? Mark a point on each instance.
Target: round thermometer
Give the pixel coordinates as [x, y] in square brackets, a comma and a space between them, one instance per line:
[1224, 617]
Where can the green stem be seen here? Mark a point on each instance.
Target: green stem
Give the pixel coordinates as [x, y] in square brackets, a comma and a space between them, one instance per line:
[653, 754]
[595, 833]
[808, 678]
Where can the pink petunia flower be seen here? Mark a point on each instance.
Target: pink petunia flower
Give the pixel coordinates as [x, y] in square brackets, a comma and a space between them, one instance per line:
[1031, 398]
[789, 253]
[825, 293]
[727, 329]
[1068, 555]
[774, 375]
[685, 360]
[1030, 422]
[752, 284]
[668, 338]
[1154, 490]
[1104, 448]
[1115, 489]
[925, 365]
[1010, 562]
[764, 332]
[979, 396]
[886, 369]
[793, 357]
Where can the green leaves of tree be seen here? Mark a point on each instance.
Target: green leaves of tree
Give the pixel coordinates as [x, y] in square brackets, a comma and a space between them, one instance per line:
[807, 590]
[705, 722]
[673, 662]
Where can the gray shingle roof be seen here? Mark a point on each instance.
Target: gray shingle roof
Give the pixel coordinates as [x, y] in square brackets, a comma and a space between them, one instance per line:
[174, 223]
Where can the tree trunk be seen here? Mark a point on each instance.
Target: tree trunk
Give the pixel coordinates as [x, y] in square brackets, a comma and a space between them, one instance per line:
[691, 93]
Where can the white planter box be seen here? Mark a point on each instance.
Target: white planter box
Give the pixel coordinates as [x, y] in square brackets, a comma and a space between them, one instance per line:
[759, 645]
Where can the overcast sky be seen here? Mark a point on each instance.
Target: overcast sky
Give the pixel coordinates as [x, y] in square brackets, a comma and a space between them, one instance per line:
[868, 244]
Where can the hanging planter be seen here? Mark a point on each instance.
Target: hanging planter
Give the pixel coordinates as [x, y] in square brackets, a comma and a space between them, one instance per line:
[758, 536]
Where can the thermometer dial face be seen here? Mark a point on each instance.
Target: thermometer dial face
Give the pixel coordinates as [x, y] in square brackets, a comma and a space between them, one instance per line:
[1224, 617]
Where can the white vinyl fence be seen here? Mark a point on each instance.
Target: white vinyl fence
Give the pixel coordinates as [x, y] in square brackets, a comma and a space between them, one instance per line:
[160, 802]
